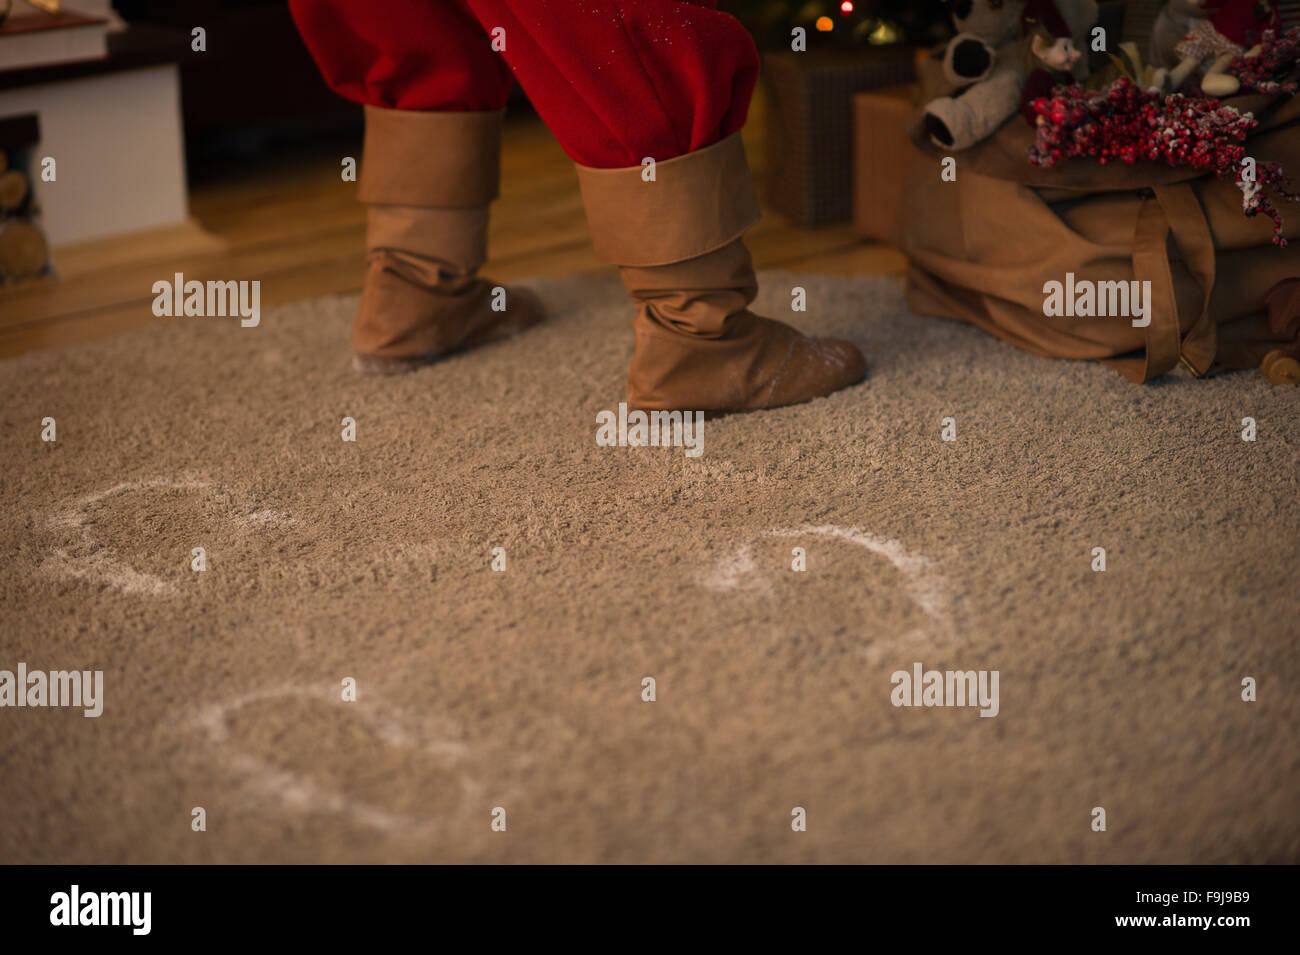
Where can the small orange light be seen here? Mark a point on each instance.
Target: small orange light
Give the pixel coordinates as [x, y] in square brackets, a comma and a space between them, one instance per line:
[846, 6]
[825, 24]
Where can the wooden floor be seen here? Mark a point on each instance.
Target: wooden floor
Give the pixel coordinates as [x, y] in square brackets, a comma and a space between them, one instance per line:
[292, 223]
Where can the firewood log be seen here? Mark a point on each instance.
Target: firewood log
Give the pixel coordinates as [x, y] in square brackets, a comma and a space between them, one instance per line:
[13, 189]
[23, 250]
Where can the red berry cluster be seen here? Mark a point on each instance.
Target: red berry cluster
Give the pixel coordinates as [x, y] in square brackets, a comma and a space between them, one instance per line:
[1274, 69]
[1129, 124]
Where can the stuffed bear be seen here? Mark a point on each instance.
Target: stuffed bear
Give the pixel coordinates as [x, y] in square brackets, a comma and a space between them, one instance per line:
[981, 62]
[975, 112]
[1205, 36]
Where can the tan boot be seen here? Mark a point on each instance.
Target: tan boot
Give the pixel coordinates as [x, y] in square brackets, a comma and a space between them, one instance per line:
[428, 179]
[677, 242]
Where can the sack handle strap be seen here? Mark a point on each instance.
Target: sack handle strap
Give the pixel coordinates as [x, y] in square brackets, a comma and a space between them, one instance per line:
[1192, 233]
[1177, 210]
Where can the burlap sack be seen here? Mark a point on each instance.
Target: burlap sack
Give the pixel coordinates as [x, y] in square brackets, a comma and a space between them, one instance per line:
[982, 248]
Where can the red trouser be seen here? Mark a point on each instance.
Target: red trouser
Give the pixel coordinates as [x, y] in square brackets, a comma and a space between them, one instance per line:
[615, 80]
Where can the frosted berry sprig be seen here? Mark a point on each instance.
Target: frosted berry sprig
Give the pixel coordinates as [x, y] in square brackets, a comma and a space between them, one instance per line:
[1274, 69]
[1126, 123]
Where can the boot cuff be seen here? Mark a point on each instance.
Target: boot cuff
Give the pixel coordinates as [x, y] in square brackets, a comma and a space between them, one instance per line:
[445, 160]
[695, 204]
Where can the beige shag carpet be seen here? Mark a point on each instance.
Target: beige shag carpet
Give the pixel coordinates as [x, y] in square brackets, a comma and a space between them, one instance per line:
[522, 690]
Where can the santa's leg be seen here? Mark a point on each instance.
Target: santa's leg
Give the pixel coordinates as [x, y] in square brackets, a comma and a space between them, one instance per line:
[648, 97]
[434, 91]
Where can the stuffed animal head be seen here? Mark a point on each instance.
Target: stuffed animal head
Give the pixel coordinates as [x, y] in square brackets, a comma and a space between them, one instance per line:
[1058, 54]
[996, 22]
[1057, 31]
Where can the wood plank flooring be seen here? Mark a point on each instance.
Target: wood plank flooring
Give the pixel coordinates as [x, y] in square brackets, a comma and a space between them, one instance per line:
[289, 221]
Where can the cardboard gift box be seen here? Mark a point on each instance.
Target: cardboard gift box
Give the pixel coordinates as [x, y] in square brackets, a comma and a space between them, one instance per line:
[809, 148]
[882, 153]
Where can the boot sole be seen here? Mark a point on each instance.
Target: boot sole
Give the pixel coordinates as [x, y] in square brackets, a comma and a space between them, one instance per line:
[382, 365]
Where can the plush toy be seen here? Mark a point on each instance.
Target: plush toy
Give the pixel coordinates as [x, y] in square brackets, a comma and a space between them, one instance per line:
[982, 61]
[1051, 54]
[1210, 35]
[977, 111]
[984, 28]
[1176, 20]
